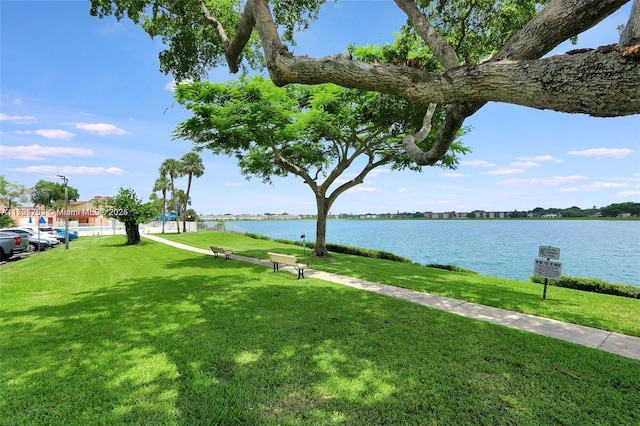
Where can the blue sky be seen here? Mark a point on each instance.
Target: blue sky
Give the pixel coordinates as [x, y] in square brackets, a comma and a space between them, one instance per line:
[84, 98]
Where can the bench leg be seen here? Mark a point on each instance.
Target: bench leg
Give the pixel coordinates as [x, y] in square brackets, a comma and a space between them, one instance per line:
[275, 267]
[300, 273]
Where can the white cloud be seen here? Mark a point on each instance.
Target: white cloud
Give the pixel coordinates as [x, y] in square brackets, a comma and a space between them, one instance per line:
[101, 129]
[503, 171]
[599, 185]
[377, 172]
[616, 153]
[628, 194]
[403, 190]
[71, 170]
[541, 158]
[554, 181]
[37, 152]
[16, 118]
[363, 189]
[234, 184]
[48, 133]
[477, 163]
[453, 175]
[524, 164]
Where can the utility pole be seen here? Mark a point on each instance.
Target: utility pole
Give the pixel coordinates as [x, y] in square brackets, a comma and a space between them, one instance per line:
[66, 211]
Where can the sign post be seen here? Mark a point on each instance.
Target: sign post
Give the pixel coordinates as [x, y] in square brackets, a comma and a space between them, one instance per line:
[549, 267]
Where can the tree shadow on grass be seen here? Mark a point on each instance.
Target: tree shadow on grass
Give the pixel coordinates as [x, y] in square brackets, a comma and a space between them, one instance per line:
[247, 348]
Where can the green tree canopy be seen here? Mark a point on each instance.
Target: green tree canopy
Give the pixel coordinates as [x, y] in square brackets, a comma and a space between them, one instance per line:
[617, 209]
[315, 132]
[130, 210]
[51, 194]
[484, 50]
[11, 192]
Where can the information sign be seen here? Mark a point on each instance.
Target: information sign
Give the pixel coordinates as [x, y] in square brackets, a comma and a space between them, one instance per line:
[548, 269]
[549, 252]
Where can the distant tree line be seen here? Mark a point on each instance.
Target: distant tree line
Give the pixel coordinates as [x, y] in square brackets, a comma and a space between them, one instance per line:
[613, 210]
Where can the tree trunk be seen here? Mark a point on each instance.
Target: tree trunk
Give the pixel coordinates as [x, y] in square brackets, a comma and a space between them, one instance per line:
[133, 233]
[186, 201]
[174, 204]
[320, 248]
[164, 209]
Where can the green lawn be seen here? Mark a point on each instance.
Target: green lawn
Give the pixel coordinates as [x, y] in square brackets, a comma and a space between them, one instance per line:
[602, 311]
[104, 333]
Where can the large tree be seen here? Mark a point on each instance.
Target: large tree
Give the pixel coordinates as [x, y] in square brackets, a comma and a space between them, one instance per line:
[11, 192]
[51, 194]
[129, 209]
[487, 50]
[191, 165]
[320, 133]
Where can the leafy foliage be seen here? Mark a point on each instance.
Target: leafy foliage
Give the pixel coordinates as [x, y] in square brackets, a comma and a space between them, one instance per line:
[6, 221]
[50, 194]
[315, 132]
[312, 127]
[615, 210]
[476, 29]
[593, 285]
[193, 45]
[130, 210]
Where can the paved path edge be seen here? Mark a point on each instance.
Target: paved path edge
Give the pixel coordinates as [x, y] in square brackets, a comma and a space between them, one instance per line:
[617, 343]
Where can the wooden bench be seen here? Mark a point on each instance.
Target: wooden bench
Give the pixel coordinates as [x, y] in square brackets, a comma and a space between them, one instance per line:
[219, 250]
[286, 259]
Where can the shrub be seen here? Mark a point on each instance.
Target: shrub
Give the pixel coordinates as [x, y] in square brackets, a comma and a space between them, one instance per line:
[594, 285]
[256, 236]
[359, 251]
[450, 268]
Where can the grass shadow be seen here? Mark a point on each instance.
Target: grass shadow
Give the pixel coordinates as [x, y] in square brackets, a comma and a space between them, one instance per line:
[242, 345]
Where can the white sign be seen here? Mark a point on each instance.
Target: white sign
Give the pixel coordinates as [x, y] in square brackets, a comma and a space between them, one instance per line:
[547, 269]
[549, 252]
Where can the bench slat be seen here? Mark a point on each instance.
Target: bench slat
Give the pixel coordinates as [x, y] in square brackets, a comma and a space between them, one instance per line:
[286, 259]
[219, 250]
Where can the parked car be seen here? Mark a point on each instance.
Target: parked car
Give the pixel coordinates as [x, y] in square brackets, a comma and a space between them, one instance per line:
[11, 244]
[72, 234]
[52, 239]
[36, 243]
[49, 230]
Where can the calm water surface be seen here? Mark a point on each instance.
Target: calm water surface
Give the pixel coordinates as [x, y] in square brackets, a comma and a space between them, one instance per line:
[605, 249]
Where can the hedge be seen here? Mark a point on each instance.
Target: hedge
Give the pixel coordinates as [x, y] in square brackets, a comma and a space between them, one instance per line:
[594, 285]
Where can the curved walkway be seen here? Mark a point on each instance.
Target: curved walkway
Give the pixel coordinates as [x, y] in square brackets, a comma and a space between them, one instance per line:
[627, 346]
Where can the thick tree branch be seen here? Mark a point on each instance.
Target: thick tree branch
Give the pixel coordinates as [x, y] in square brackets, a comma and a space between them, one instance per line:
[356, 180]
[631, 31]
[232, 48]
[579, 83]
[215, 23]
[557, 22]
[440, 48]
[540, 35]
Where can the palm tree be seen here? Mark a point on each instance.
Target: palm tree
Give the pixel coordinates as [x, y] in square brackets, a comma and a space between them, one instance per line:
[173, 168]
[191, 166]
[162, 184]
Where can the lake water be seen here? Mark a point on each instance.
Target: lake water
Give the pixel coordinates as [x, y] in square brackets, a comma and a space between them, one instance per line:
[607, 249]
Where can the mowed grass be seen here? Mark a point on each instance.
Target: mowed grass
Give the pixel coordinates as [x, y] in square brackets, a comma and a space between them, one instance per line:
[105, 333]
[613, 313]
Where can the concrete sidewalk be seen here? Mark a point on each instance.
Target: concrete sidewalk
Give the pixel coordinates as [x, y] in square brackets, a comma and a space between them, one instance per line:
[627, 346]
